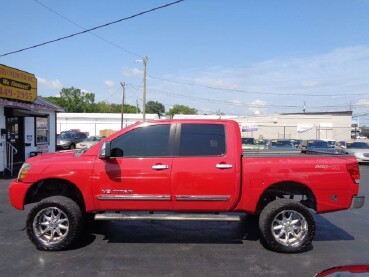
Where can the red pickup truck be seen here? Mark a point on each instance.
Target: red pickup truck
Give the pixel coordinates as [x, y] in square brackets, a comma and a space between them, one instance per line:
[182, 170]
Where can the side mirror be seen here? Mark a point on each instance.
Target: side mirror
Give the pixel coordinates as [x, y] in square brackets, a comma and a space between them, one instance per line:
[105, 151]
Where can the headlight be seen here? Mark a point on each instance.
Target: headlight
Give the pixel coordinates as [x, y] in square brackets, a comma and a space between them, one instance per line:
[23, 171]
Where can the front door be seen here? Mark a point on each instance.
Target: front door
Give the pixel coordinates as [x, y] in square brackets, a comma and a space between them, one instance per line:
[137, 175]
[15, 136]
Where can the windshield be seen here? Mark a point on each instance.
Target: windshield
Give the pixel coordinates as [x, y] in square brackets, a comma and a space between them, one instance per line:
[93, 139]
[358, 145]
[66, 136]
[248, 141]
[282, 143]
[318, 144]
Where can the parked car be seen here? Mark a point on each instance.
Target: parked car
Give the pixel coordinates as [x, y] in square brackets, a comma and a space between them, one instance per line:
[316, 145]
[68, 140]
[331, 143]
[280, 145]
[88, 142]
[359, 149]
[250, 144]
[296, 142]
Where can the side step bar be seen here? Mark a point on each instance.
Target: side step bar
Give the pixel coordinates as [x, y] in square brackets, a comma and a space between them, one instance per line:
[168, 216]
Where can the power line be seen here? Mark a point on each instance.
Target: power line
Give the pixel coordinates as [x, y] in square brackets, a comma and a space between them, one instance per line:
[251, 92]
[218, 101]
[83, 28]
[92, 29]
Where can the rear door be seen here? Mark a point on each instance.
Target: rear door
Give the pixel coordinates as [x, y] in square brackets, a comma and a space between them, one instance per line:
[204, 170]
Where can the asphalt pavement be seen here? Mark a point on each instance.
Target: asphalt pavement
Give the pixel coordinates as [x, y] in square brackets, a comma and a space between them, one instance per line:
[153, 248]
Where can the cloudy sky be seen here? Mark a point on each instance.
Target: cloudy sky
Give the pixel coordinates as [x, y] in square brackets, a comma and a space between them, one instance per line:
[238, 57]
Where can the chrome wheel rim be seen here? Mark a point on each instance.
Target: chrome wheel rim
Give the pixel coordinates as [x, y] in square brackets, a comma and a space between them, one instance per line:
[51, 225]
[289, 228]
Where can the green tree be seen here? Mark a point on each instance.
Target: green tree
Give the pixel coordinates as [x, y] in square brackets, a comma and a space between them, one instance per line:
[181, 109]
[74, 100]
[155, 107]
[105, 107]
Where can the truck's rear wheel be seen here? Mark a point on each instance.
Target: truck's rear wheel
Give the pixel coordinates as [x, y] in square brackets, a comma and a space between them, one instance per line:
[286, 226]
[54, 223]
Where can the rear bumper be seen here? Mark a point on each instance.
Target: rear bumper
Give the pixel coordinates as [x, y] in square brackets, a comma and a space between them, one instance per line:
[357, 202]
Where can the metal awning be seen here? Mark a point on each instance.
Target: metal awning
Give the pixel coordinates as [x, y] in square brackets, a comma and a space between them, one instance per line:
[23, 113]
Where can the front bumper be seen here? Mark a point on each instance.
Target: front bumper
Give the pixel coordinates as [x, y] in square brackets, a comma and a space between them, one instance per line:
[63, 146]
[357, 202]
[17, 194]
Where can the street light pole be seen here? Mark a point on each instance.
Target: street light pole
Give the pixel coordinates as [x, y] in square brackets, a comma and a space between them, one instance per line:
[124, 89]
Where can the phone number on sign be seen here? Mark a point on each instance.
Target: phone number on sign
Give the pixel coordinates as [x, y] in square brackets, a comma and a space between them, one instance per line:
[9, 93]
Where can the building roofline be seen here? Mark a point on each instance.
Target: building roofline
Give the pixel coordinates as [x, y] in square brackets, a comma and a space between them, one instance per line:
[347, 113]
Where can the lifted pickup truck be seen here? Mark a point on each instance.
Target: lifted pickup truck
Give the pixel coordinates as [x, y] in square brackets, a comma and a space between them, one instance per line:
[182, 170]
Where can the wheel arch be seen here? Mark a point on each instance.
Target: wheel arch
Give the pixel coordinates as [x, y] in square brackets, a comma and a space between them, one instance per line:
[54, 187]
[290, 190]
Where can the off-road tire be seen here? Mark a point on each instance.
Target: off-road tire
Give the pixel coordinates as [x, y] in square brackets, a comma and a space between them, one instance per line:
[286, 226]
[55, 223]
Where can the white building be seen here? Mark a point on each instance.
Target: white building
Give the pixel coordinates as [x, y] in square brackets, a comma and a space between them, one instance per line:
[319, 125]
[96, 124]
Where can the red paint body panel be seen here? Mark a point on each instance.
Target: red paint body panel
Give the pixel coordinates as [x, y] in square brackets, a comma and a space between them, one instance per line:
[326, 176]
[189, 183]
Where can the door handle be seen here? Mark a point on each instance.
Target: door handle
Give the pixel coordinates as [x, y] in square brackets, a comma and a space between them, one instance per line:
[160, 167]
[224, 166]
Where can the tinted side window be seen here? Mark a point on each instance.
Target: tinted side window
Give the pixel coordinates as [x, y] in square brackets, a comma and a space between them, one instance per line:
[149, 141]
[202, 140]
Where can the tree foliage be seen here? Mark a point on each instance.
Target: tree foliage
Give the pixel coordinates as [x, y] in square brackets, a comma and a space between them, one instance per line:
[73, 100]
[155, 107]
[181, 109]
[105, 107]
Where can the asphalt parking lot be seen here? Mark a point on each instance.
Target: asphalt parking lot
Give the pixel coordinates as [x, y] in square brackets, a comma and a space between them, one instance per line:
[154, 248]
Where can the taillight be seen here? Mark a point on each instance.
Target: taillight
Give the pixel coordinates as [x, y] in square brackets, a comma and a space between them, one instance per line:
[354, 171]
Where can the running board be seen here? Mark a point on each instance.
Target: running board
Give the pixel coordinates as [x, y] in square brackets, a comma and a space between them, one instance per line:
[169, 216]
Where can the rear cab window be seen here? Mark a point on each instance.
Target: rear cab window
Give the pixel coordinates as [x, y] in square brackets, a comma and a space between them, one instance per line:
[202, 140]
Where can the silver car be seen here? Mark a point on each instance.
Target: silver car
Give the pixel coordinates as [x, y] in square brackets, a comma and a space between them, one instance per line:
[360, 149]
[88, 142]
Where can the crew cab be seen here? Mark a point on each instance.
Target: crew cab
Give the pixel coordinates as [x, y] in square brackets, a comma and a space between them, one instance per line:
[182, 170]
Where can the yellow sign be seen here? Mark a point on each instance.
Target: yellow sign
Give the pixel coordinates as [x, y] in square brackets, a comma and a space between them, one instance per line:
[17, 84]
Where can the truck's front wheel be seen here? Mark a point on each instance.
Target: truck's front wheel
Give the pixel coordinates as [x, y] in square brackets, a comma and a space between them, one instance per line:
[286, 226]
[54, 223]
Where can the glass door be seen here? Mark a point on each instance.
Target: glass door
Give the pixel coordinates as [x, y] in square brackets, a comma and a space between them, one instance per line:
[15, 136]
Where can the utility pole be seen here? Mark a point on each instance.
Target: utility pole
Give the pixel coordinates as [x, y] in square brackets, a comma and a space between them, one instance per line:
[124, 90]
[144, 90]
[144, 61]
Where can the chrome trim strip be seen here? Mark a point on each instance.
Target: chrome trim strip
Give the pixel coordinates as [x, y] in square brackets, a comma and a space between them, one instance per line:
[135, 197]
[202, 197]
[172, 217]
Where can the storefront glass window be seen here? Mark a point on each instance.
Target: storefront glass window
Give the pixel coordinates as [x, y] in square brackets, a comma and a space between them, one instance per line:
[42, 130]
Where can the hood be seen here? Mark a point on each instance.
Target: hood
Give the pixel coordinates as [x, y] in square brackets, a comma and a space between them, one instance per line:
[356, 150]
[54, 155]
